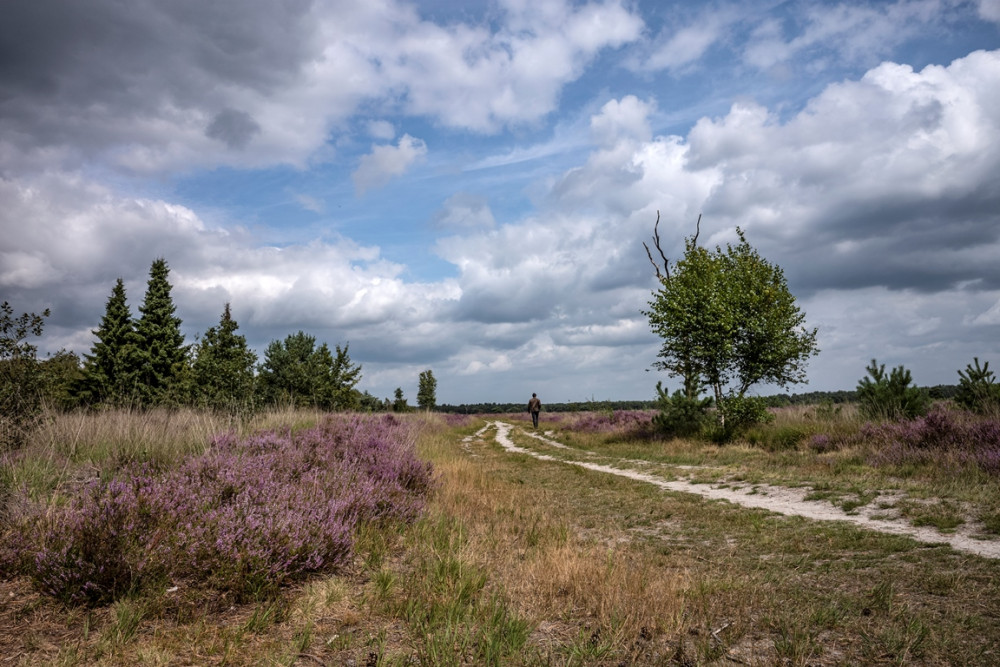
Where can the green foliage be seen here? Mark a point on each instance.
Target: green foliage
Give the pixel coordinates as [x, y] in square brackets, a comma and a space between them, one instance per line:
[111, 370]
[727, 318]
[679, 415]
[977, 389]
[742, 412]
[890, 397]
[399, 401]
[163, 375]
[297, 372]
[61, 374]
[20, 376]
[427, 391]
[223, 368]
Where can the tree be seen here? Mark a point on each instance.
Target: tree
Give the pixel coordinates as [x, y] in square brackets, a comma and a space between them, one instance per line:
[977, 389]
[223, 367]
[110, 371]
[295, 371]
[164, 370]
[399, 403]
[20, 376]
[890, 397]
[427, 391]
[727, 319]
[61, 375]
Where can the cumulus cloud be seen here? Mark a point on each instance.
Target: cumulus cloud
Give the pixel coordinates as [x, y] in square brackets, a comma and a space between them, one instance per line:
[384, 162]
[164, 86]
[83, 237]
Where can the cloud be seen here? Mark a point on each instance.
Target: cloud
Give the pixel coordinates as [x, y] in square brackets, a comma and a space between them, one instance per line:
[170, 87]
[841, 33]
[233, 128]
[989, 10]
[384, 162]
[466, 211]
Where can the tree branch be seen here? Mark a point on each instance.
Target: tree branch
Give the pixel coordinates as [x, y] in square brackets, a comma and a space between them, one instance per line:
[659, 249]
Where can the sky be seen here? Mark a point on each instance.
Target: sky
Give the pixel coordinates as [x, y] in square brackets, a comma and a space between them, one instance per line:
[466, 187]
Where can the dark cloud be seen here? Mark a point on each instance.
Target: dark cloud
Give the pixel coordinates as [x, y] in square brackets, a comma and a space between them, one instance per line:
[233, 128]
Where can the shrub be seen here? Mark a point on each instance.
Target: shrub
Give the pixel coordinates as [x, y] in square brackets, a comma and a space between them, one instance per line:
[248, 516]
[742, 412]
[890, 397]
[977, 389]
[21, 379]
[679, 415]
[941, 438]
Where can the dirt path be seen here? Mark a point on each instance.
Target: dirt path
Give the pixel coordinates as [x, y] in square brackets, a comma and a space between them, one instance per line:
[773, 498]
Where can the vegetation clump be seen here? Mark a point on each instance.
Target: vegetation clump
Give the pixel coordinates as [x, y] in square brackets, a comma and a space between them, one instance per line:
[890, 397]
[246, 517]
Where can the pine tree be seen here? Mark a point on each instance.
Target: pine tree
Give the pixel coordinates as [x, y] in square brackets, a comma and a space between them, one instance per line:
[399, 402]
[223, 368]
[164, 372]
[296, 372]
[110, 371]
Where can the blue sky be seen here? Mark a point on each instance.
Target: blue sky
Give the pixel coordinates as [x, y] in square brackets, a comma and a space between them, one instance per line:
[466, 187]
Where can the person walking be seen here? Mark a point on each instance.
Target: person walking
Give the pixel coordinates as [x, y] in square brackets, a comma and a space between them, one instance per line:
[534, 407]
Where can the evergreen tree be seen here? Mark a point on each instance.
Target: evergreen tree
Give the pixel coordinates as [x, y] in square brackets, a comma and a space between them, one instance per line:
[223, 368]
[110, 371]
[164, 370]
[337, 379]
[427, 391]
[399, 402]
[296, 372]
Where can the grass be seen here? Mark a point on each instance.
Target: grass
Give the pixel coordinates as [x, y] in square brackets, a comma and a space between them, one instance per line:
[521, 562]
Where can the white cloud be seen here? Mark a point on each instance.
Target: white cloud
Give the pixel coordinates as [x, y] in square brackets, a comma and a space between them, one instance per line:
[384, 162]
[990, 10]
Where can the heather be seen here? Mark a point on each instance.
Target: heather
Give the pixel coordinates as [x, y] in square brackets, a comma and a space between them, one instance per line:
[622, 422]
[247, 516]
[943, 438]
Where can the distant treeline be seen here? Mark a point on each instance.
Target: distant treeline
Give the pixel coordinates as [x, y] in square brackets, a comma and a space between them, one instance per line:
[937, 392]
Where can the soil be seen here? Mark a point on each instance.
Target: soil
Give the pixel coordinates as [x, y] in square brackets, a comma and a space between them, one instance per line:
[783, 500]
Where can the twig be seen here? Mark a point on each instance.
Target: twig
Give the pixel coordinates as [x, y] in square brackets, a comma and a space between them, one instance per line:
[311, 657]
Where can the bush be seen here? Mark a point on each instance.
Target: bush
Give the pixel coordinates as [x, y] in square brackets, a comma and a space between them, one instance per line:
[248, 516]
[742, 412]
[943, 438]
[21, 379]
[890, 397]
[680, 416]
[977, 389]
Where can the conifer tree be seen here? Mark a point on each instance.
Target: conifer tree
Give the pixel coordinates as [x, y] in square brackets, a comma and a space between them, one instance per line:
[223, 368]
[110, 371]
[164, 371]
[296, 372]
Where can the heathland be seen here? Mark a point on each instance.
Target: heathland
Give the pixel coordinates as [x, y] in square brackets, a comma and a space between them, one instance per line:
[180, 537]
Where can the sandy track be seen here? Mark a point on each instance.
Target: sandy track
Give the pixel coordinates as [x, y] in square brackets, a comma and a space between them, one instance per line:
[782, 500]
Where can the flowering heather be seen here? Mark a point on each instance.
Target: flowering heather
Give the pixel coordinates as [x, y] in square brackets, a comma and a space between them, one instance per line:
[943, 437]
[247, 516]
[622, 421]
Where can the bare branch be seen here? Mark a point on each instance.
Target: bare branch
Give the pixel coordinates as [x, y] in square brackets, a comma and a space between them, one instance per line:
[659, 249]
[697, 230]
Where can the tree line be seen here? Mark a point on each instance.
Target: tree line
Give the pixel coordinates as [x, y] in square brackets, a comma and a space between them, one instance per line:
[143, 361]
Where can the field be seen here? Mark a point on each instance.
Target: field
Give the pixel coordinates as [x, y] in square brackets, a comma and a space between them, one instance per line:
[528, 550]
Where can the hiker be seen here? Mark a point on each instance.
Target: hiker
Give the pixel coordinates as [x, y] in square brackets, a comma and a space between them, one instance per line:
[534, 407]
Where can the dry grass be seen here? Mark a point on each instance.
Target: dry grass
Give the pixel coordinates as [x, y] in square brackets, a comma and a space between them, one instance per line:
[522, 562]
